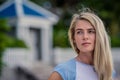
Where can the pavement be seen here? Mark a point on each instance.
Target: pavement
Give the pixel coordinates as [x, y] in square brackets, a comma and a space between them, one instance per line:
[40, 71]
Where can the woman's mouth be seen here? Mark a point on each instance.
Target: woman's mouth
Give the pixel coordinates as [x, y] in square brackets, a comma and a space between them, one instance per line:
[86, 44]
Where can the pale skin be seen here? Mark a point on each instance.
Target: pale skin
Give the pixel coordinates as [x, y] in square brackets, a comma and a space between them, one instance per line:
[84, 38]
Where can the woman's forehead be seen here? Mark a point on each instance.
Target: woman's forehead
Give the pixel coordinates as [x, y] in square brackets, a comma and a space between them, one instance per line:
[83, 24]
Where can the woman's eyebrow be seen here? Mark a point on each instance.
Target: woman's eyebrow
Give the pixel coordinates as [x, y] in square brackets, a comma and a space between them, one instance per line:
[91, 29]
[83, 29]
[78, 29]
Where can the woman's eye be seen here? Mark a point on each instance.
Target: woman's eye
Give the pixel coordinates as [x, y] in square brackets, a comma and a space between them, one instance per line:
[91, 31]
[79, 32]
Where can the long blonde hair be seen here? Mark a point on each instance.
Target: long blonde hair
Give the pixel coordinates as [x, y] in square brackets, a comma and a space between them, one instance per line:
[102, 53]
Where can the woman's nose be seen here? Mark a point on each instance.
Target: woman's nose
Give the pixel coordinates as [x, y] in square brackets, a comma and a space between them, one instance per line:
[85, 36]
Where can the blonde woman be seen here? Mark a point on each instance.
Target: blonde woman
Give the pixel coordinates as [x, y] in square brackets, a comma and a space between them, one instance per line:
[90, 41]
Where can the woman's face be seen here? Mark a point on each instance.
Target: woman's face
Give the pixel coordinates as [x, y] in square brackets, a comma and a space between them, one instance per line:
[84, 37]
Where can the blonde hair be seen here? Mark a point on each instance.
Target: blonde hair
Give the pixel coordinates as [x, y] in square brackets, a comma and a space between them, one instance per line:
[102, 53]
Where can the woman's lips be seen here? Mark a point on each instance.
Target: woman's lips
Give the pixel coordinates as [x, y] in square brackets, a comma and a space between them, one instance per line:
[86, 44]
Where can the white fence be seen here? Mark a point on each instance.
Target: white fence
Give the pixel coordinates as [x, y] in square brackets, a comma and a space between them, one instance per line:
[23, 57]
[62, 54]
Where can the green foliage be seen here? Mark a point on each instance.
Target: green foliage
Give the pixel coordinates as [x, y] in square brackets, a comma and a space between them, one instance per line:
[2, 1]
[39, 2]
[115, 40]
[60, 37]
[108, 10]
[6, 40]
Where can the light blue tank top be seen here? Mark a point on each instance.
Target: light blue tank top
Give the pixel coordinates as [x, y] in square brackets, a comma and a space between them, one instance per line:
[67, 70]
[85, 72]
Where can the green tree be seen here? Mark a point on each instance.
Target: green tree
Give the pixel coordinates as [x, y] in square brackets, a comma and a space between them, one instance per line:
[108, 10]
[1, 1]
[6, 40]
[60, 37]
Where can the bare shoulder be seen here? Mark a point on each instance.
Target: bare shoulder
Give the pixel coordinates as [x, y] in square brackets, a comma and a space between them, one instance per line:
[55, 76]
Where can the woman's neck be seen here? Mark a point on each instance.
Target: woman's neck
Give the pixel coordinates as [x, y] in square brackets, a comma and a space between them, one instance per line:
[85, 58]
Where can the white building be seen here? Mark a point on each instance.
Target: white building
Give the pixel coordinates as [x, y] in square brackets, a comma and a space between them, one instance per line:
[33, 24]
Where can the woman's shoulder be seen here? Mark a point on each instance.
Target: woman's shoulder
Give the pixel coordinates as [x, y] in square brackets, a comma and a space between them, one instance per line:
[67, 69]
[66, 66]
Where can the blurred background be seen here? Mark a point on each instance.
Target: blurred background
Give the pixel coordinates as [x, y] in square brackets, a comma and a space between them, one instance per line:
[33, 35]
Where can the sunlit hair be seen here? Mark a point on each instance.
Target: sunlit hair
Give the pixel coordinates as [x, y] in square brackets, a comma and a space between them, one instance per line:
[102, 52]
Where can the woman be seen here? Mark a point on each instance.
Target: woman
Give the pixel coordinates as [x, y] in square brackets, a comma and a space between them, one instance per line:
[90, 41]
